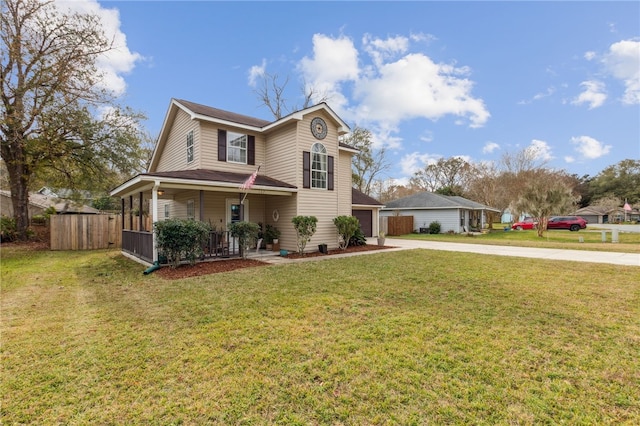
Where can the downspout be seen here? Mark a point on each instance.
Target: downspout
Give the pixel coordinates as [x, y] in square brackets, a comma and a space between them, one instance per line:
[154, 214]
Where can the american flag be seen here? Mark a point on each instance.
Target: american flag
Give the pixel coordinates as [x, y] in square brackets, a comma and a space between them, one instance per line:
[247, 184]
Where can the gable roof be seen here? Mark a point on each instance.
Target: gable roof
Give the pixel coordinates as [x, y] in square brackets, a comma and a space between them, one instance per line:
[430, 200]
[361, 199]
[251, 124]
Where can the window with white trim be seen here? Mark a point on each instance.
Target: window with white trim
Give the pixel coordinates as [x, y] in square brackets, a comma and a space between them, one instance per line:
[318, 166]
[191, 209]
[166, 211]
[190, 147]
[236, 148]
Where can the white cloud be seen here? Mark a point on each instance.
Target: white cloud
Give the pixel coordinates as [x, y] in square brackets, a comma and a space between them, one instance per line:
[256, 72]
[416, 87]
[590, 55]
[381, 50]
[594, 94]
[569, 159]
[589, 147]
[540, 150]
[623, 62]
[334, 61]
[415, 161]
[118, 61]
[489, 147]
[397, 86]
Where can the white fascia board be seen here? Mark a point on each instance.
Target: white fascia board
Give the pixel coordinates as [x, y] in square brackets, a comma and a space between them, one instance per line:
[224, 122]
[366, 206]
[146, 183]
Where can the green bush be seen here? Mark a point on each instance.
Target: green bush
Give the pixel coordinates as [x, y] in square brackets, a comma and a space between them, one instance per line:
[434, 227]
[358, 239]
[271, 233]
[246, 233]
[181, 239]
[347, 227]
[8, 230]
[305, 227]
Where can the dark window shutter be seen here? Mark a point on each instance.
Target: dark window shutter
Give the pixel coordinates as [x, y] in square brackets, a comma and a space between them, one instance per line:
[222, 145]
[251, 151]
[330, 173]
[306, 169]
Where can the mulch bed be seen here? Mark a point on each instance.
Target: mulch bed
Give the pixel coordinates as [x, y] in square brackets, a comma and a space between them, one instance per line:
[214, 267]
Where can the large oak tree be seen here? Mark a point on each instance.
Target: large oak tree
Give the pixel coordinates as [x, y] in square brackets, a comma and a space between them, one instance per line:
[58, 123]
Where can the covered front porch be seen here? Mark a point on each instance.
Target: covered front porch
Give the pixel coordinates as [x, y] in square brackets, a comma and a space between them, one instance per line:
[204, 195]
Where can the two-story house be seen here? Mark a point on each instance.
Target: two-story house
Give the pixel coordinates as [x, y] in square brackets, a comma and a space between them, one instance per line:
[203, 156]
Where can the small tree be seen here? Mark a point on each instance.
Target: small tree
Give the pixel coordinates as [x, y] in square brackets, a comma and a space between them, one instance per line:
[347, 227]
[305, 227]
[545, 196]
[181, 239]
[246, 233]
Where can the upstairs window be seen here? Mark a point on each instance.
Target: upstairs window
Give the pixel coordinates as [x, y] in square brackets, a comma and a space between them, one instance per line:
[236, 148]
[318, 166]
[190, 147]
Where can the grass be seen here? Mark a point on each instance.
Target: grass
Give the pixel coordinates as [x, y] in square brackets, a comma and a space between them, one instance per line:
[412, 337]
[592, 239]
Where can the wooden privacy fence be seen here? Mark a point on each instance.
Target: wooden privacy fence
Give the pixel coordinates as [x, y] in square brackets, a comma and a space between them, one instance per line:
[397, 225]
[85, 231]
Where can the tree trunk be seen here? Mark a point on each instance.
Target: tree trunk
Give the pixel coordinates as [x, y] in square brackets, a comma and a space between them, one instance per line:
[19, 183]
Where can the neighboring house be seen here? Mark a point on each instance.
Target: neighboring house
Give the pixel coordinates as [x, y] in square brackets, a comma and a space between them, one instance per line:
[599, 214]
[454, 213]
[367, 210]
[203, 155]
[39, 202]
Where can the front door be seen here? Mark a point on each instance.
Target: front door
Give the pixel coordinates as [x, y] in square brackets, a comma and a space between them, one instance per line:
[234, 215]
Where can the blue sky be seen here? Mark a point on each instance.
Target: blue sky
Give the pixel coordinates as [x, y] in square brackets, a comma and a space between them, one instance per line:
[429, 79]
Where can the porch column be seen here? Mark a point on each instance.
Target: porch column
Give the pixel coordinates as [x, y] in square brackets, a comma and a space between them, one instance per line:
[140, 209]
[201, 205]
[154, 218]
[131, 212]
[122, 225]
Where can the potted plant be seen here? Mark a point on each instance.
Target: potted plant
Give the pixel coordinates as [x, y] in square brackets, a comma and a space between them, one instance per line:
[381, 236]
[271, 236]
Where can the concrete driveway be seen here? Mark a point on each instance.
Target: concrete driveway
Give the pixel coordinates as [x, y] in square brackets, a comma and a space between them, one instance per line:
[627, 259]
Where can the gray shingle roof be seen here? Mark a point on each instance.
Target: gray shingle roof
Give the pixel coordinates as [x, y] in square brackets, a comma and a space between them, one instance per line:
[223, 115]
[430, 200]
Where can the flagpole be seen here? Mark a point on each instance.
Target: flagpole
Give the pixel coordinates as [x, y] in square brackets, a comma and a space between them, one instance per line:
[246, 185]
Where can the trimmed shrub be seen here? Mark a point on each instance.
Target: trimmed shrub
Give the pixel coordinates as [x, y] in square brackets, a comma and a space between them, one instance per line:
[347, 227]
[358, 239]
[305, 227]
[246, 233]
[180, 239]
[434, 227]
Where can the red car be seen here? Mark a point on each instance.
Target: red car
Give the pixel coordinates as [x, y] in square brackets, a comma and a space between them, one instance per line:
[526, 223]
[572, 223]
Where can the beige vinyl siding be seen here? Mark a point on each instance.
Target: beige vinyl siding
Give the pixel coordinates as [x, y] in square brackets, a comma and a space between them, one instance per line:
[320, 203]
[344, 183]
[280, 156]
[209, 150]
[174, 155]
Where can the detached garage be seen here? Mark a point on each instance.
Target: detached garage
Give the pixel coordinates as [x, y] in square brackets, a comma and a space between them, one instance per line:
[367, 210]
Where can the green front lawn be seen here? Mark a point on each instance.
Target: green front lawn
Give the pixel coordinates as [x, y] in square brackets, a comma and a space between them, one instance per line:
[411, 337]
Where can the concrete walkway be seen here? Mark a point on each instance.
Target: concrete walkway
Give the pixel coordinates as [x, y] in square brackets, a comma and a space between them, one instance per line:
[627, 259]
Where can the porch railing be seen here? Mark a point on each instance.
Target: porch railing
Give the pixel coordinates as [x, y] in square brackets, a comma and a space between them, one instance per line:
[138, 244]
